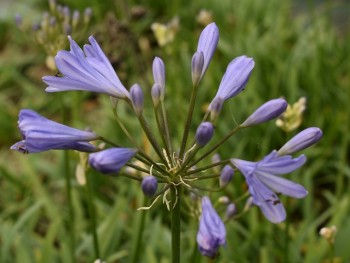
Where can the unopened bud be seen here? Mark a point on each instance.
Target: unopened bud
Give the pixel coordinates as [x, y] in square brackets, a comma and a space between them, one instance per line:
[87, 15]
[149, 185]
[75, 18]
[197, 67]
[231, 210]
[155, 93]
[226, 175]
[268, 111]
[204, 133]
[215, 107]
[136, 95]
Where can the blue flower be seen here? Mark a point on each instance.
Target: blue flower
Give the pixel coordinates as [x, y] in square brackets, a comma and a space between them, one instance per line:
[207, 44]
[40, 134]
[301, 141]
[212, 232]
[111, 160]
[235, 78]
[204, 133]
[149, 185]
[158, 69]
[90, 71]
[264, 184]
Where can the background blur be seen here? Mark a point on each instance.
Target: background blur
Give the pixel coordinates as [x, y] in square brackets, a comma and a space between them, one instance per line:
[301, 49]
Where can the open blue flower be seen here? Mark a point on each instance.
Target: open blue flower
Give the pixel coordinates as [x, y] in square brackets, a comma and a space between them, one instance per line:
[212, 232]
[90, 71]
[40, 134]
[264, 184]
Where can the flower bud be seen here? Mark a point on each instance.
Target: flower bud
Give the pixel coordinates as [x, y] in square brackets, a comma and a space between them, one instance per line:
[268, 111]
[136, 95]
[87, 15]
[155, 93]
[204, 133]
[197, 67]
[149, 185]
[301, 141]
[75, 18]
[18, 20]
[111, 160]
[224, 200]
[226, 175]
[159, 75]
[231, 210]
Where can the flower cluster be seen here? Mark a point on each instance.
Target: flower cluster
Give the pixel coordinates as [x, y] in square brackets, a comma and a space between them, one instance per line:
[176, 169]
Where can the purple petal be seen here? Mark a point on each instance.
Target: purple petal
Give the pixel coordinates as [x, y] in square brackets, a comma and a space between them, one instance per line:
[283, 186]
[159, 74]
[268, 202]
[281, 164]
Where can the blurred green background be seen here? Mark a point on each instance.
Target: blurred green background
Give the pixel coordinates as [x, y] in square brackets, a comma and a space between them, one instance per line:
[301, 48]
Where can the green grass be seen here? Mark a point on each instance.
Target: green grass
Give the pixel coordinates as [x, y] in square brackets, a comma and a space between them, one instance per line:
[298, 51]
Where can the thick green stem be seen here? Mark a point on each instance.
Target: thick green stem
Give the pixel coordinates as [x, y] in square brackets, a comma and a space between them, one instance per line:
[140, 225]
[71, 220]
[89, 193]
[175, 224]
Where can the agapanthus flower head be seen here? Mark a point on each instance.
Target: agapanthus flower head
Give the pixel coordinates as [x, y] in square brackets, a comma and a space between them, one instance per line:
[159, 75]
[212, 232]
[89, 70]
[149, 185]
[264, 182]
[204, 133]
[207, 44]
[266, 112]
[111, 160]
[302, 140]
[235, 78]
[40, 134]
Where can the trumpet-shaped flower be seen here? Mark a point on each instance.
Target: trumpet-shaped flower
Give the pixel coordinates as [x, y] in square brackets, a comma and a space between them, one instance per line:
[207, 44]
[111, 160]
[89, 70]
[40, 134]
[235, 78]
[264, 182]
[212, 232]
[301, 141]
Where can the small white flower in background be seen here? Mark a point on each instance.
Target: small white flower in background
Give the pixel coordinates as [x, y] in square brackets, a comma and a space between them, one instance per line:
[165, 33]
[328, 233]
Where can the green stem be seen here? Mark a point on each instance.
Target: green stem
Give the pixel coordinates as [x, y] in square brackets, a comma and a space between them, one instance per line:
[166, 126]
[71, 220]
[175, 224]
[140, 225]
[89, 193]
[188, 121]
[161, 128]
[204, 168]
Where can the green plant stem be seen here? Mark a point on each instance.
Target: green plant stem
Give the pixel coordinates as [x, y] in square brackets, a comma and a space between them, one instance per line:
[166, 126]
[204, 168]
[90, 194]
[71, 220]
[188, 121]
[175, 224]
[161, 128]
[140, 225]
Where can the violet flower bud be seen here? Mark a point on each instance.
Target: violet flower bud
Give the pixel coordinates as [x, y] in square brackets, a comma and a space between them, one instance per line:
[226, 175]
[212, 232]
[302, 140]
[111, 160]
[155, 93]
[18, 20]
[87, 15]
[197, 67]
[75, 18]
[136, 95]
[215, 107]
[207, 44]
[159, 75]
[149, 185]
[231, 210]
[204, 133]
[268, 111]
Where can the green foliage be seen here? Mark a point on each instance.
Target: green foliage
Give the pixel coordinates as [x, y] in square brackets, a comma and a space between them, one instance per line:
[298, 51]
